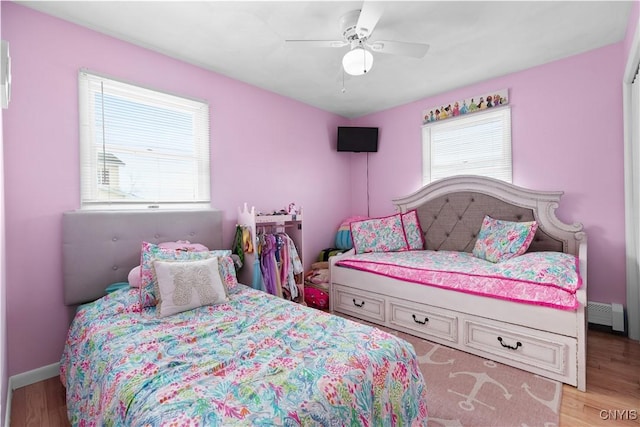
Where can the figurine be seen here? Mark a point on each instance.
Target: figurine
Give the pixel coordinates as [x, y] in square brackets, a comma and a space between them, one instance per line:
[293, 209]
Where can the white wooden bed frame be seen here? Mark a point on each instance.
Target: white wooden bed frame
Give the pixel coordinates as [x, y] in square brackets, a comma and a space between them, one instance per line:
[546, 341]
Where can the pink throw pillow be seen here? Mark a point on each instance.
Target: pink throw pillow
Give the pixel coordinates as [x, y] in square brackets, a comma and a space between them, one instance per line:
[134, 277]
[183, 245]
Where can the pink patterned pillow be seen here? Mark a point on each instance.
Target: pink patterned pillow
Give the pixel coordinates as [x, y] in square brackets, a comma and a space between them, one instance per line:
[500, 240]
[379, 235]
[412, 230]
[227, 270]
[152, 252]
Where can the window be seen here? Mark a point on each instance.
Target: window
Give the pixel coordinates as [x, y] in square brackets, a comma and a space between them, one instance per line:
[478, 144]
[141, 148]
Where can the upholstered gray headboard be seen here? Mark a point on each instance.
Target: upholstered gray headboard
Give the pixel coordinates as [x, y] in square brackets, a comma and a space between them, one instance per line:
[452, 222]
[451, 211]
[100, 248]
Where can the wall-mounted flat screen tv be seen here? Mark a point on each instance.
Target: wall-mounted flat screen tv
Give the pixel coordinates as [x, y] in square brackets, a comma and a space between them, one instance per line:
[358, 139]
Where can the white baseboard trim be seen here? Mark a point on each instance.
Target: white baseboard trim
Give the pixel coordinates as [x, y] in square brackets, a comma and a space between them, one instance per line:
[25, 379]
[7, 412]
[30, 377]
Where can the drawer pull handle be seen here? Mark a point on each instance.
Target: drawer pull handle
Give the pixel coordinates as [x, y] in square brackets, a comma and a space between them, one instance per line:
[422, 322]
[356, 304]
[518, 344]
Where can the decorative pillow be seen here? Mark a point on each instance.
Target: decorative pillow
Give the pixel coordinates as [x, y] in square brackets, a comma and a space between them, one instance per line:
[183, 245]
[500, 240]
[226, 269]
[227, 272]
[186, 285]
[152, 252]
[343, 236]
[379, 235]
[412, 230]
[134, 277]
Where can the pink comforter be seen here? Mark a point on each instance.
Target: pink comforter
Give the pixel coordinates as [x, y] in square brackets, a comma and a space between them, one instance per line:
[541, 278]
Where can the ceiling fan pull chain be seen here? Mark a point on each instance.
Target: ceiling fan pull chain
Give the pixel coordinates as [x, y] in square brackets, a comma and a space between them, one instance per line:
[364, 61]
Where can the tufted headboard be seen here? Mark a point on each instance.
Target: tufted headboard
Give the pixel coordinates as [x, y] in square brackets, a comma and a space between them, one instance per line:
[451, 211]
[100, 248]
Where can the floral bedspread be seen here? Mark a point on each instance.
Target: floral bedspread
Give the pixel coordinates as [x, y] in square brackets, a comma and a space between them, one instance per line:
[257, 360]
[541, 278]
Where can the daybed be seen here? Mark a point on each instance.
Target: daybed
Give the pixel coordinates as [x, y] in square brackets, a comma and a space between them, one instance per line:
[253, 359]
[536, 325]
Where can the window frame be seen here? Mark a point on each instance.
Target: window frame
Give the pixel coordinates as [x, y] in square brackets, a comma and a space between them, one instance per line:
[89, 152]
[502, 113]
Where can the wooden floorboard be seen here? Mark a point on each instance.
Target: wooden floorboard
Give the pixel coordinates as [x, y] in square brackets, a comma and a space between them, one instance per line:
[612, 397]
[613, 385]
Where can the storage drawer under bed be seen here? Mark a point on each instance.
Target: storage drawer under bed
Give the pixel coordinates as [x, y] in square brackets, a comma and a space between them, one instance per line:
[424, 320]
[363, 305]
[539, 349]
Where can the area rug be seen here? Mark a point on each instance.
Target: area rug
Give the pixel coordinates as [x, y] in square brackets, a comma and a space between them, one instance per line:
[466, 390]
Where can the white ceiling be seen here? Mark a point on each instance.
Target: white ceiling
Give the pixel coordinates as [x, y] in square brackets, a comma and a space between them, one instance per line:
[469, 41]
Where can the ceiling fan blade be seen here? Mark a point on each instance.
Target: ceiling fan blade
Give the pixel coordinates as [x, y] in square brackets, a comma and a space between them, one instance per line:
[415, 50]
[316, 43]
[369, 17]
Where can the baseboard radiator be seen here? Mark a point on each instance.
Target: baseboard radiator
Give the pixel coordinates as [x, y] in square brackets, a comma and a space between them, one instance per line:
[606, 314]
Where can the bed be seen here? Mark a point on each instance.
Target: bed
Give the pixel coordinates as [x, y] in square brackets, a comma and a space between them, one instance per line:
[532, 318]
[254, 359]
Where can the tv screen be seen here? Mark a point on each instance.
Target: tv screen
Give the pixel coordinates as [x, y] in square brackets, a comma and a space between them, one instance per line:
[358, 139]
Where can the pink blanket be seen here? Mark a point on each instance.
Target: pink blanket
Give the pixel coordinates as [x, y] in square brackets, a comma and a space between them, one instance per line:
[541, 278]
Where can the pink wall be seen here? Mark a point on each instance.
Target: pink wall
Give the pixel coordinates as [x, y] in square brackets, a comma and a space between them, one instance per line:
[3, 282]
[567, 135]
[266, 149]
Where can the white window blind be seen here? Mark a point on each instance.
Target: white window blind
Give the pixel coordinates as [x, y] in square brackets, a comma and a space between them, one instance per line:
[478, 144]
[141, 148]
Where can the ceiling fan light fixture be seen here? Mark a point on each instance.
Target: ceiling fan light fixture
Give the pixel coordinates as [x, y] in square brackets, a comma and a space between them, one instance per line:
[357, 61]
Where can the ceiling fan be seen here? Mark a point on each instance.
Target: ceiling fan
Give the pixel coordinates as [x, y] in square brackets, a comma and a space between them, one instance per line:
[357, 27]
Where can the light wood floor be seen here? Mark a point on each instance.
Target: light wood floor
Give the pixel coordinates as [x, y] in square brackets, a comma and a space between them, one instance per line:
[613, 386]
